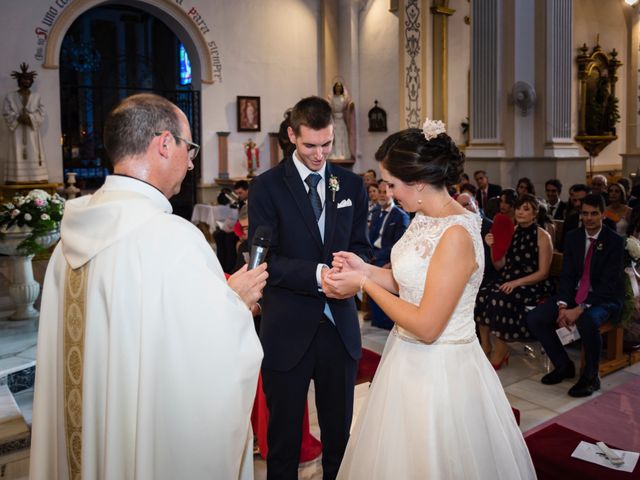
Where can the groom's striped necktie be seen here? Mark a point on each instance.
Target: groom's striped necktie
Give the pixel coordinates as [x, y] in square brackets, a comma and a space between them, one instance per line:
[316, 203]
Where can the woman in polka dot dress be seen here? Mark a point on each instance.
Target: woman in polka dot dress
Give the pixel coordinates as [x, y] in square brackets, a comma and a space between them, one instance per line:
[501, 305]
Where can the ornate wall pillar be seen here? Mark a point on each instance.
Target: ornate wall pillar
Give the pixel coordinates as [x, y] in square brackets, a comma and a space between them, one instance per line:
[441, 13]
[413, 30]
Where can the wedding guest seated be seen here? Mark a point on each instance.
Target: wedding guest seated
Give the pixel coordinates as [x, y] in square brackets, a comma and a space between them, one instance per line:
[552, 190]
[591, 292]
[467, 200]
[576, 193]
[626, 183]
[503, 224]
[471, 189]
[524, 186]
[507, 203]
[370, 178]
[485, 191]
[522, 281]
[545, 221]
[373, 192]
[574, 220]
[634, 196]
[572, 216]
[241, 189]
[599, 186]
[388, 224]
[617, 210]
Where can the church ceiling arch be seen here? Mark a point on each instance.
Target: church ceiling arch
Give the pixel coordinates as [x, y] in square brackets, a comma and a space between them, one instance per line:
[168, 11]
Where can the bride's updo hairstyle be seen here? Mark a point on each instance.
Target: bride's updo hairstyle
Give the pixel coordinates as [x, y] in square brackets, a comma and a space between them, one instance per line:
[409, 156]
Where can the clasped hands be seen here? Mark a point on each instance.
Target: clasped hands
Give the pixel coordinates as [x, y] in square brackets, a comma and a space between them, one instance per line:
[344, 277]
[567, 317]
[24, 119]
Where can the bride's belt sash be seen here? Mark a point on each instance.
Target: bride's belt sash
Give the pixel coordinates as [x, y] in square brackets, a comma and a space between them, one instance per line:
[407, 338]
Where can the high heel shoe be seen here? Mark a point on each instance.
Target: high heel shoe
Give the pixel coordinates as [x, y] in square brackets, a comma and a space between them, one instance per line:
[504, 361]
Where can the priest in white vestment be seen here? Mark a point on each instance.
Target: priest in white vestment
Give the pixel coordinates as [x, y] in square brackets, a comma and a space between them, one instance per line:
[147, 360]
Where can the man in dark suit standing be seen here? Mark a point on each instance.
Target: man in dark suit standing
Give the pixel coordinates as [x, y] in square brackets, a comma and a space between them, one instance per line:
[388, 224]
[591, 292]
[557, 208]
[486, 190]
[314, 210]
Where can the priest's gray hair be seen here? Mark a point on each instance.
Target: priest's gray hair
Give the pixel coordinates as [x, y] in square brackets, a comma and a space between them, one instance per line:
[133, 123]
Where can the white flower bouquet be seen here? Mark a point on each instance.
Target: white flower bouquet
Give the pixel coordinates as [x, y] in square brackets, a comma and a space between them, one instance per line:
[37, 212]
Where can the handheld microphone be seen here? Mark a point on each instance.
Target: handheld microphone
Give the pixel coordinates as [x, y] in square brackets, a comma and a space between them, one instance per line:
[260, 246]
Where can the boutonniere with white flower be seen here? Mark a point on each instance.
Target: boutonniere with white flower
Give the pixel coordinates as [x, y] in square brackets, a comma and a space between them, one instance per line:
[600, 246]
[334, 186]
[433, 128]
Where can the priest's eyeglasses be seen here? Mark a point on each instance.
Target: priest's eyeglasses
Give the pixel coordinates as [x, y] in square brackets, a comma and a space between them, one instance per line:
[192, 148]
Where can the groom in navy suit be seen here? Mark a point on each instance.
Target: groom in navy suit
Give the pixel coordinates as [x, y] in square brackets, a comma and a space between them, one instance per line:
[314, 210]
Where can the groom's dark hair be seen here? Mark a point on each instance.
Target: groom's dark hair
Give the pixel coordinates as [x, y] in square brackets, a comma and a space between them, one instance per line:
[311, 112]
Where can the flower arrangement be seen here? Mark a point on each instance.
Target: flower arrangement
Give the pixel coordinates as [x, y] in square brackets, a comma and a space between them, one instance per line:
[632, 246]
[37, 212]
[632, 290]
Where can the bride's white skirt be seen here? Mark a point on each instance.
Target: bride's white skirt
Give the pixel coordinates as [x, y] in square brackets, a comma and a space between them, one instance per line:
[436, 412]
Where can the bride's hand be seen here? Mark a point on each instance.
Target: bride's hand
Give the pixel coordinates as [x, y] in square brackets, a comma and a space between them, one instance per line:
[343, 284]
[348, 261]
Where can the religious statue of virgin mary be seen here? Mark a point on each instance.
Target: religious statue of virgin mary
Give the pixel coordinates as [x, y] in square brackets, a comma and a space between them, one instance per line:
[344, 122]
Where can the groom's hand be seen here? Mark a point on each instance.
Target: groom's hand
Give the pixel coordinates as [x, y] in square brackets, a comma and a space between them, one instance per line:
[328, 289]
[336, 289]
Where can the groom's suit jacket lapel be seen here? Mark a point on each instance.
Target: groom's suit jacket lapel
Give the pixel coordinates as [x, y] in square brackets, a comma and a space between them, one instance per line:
[330, 215]
[301, 199]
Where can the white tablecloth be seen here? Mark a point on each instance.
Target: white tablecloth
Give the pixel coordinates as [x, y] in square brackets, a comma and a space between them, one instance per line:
[214, 216]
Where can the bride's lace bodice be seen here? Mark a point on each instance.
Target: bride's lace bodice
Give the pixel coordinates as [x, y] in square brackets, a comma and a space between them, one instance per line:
[410, 258]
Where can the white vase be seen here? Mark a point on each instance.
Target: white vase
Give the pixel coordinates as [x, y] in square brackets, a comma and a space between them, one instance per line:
[23, 290]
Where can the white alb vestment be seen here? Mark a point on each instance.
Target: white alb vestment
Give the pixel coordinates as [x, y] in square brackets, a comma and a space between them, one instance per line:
[24, 157]
[171, 357]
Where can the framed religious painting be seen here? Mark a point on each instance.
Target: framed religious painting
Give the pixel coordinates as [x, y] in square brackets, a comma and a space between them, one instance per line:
[248, 114]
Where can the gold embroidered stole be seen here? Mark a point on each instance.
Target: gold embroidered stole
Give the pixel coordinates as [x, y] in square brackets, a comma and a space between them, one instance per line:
[75, 295]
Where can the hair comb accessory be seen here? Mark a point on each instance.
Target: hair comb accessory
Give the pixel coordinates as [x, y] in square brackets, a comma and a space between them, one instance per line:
[433, 128]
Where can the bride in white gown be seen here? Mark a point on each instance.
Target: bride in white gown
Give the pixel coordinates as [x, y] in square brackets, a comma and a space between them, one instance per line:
[436, 408]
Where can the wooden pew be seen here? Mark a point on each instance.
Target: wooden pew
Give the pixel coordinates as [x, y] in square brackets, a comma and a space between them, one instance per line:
[615, 359]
